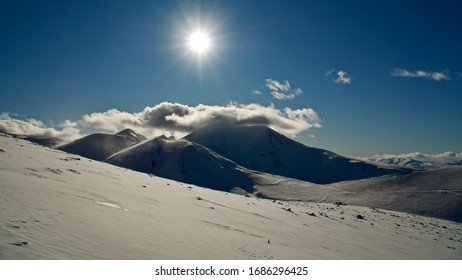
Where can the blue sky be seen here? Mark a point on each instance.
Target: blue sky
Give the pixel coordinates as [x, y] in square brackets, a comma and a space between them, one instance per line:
[379, 77]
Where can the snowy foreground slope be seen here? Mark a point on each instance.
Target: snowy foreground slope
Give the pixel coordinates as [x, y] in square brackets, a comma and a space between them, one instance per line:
[54, 205]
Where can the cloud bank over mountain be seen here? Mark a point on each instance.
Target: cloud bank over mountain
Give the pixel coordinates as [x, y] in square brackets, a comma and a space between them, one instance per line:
[33, 127]
[171, 119]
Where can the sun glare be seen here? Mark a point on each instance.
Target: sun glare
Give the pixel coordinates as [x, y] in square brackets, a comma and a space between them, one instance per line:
[199, 42]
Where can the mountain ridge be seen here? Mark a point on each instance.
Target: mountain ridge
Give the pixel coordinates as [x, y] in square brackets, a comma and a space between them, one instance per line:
[230, 152]
[100, 146]
[262, 149]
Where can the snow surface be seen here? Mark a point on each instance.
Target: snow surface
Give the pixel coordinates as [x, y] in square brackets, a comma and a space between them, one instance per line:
[54, 205]
[47, 141]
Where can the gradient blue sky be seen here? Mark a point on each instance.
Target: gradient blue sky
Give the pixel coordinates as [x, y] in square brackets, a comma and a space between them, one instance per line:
[63, 59]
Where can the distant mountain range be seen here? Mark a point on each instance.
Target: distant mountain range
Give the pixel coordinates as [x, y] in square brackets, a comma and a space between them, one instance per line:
[418, 160]
[225, 157]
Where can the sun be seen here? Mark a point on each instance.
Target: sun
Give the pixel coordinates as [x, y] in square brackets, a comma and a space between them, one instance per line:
[199, 42]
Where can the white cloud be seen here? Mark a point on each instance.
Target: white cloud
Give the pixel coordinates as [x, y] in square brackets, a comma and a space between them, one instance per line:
[256, 92]
[436, 76]
[32, 127]
[277, 86]
[178, 119]
[297, 91]
[282, 90]
[342, 78]
[112, 120]
[170, 119]
[282, 96]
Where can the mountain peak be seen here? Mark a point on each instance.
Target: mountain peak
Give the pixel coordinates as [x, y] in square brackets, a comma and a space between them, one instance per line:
[100, 146]
[132, 134]
[126, 131]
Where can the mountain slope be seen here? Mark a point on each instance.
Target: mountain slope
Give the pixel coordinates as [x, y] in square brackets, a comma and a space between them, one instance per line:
[263, 149]
[54, 206]
[183, 161]
[100, 146]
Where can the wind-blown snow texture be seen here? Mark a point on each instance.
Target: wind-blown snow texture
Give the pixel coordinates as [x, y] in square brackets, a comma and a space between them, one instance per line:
[55, 205]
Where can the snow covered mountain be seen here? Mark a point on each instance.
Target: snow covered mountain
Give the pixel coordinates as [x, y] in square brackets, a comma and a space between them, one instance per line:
[224, 158]
[100, 146]
[419, 161]
[54, 205]
[263, 149]
[183, 161]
